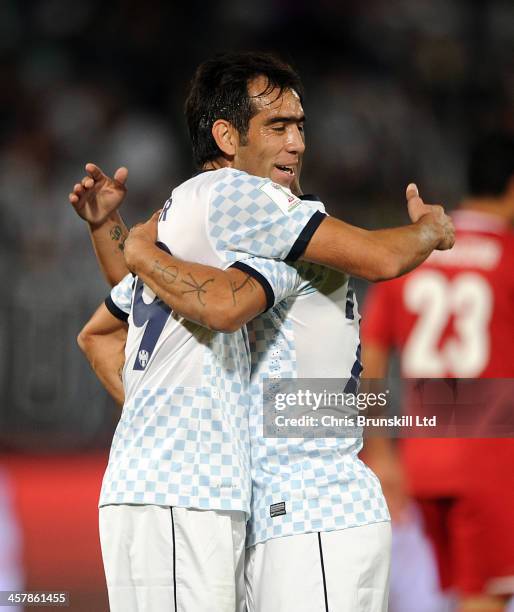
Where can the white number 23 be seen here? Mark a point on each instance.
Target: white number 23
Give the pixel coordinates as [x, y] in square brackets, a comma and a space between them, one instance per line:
[467, 299]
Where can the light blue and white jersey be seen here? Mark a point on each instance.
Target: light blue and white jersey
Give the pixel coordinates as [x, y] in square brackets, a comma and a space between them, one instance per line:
[183, 436]
[302, 485]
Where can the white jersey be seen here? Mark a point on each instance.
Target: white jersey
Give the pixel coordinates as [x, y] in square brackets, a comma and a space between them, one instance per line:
[183, 438]
[307, 484]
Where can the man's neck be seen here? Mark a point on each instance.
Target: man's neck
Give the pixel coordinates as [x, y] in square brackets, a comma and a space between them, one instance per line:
[216, 164]
[496, 207]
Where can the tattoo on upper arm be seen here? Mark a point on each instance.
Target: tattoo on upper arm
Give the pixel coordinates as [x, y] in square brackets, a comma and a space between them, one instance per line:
[247, 282]
[198, 288]
[118, 235]
[168, 274]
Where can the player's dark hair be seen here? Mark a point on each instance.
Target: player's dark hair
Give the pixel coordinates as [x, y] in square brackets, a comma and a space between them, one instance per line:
[219, 90]
[491, 165]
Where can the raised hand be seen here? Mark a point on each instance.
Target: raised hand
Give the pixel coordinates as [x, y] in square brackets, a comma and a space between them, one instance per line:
[431, 214]
[98, 195]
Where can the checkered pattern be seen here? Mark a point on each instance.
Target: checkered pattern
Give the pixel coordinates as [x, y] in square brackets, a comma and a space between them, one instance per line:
[311, 276]
[244, 219]
[161, 455]
[121, 294]
[186, 446]
[183, 436]
[282, 277]
[321, 480]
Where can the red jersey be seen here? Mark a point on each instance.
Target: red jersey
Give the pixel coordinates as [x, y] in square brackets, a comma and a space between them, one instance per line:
[451, 317]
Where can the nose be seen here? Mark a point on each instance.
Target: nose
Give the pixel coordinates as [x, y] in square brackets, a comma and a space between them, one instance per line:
[295, 142]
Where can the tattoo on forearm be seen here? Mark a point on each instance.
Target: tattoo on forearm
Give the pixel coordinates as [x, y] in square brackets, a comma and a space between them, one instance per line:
[168, 274]
[198, 288]
[118, 235]
[248, 281]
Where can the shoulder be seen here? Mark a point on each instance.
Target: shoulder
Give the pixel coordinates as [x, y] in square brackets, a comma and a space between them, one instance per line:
[508, 253]
[224, 182]
[229, 181]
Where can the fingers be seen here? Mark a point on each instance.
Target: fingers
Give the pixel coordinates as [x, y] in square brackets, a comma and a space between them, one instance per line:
[78, 191]
[81, 189]
[153, 219]
[94, 171]
[411, 191]
[417, 209]
[412, 194]
[415, 205]
[121, 175]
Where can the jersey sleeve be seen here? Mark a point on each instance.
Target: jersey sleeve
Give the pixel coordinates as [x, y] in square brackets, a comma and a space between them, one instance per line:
[119, 301]
[278, 279]
[377, 323]
[249, 215]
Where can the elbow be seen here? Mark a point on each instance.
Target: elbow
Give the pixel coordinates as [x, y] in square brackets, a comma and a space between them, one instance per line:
[231, 326]
[85, 341]
[221, 320]
[223, 324]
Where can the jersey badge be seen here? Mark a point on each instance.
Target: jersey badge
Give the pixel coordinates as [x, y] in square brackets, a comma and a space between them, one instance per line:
[282, 197]
[143, 357]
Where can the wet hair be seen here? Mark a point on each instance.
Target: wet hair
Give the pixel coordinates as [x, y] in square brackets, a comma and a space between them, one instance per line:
[491, 165]
[219, 90]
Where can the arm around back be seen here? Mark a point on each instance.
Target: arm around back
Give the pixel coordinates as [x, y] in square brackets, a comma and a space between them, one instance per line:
[382, 254]
[372, 255]
[102, 340]
[221, 300]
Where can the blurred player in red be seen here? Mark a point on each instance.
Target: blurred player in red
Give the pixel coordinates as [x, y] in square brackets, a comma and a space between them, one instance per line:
[454, 317]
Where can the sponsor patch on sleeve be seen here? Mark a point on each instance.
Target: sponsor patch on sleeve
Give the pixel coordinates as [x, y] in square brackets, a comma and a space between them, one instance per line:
[282, 197]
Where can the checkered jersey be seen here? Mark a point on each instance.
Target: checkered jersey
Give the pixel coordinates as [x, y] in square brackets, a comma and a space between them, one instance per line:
[258, 217]
[312, 334]
[183, 436]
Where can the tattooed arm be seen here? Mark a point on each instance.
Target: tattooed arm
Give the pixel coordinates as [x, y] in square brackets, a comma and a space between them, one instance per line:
[96, 199]
[223, 300]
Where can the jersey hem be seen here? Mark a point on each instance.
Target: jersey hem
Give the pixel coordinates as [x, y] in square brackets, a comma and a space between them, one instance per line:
[253, 541]
[173, 501]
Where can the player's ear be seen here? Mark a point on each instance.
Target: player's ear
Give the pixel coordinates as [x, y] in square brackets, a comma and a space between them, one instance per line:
[226, 137]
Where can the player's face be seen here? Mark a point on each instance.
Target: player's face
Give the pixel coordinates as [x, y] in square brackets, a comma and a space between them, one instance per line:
[275, 141]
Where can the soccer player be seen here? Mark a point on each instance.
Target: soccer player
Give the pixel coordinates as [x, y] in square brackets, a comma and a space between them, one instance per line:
[220, 218]
[453, 317]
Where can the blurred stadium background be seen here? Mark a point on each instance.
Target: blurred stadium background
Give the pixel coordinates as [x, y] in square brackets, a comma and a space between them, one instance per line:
[395, 91]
